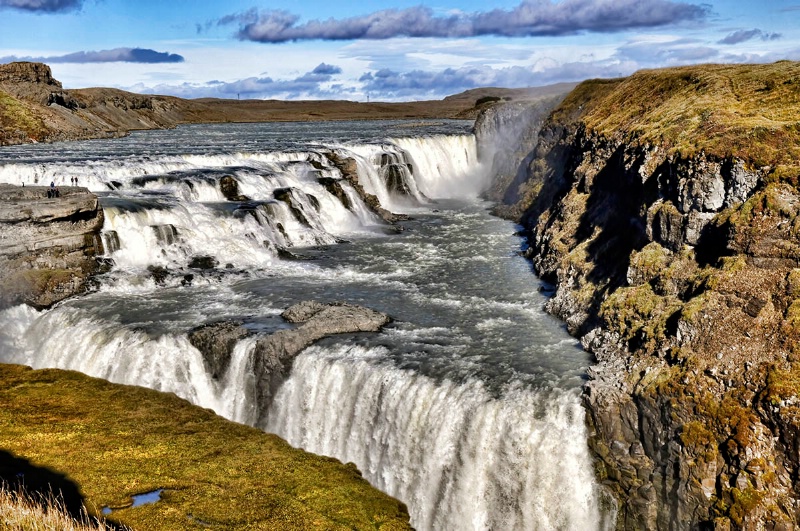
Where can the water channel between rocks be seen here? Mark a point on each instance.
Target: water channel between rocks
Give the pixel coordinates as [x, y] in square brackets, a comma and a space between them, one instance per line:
[466, 407]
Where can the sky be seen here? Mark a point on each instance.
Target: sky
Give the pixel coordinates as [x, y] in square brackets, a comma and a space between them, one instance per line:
[381, 50]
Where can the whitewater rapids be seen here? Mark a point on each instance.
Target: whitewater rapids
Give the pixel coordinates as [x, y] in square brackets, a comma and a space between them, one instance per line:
[466, 407]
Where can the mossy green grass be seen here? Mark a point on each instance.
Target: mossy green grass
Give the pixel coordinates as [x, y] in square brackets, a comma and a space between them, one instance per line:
[115, 441]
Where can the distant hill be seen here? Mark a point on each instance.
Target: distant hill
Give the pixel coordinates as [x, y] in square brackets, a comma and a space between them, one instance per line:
[34, 107]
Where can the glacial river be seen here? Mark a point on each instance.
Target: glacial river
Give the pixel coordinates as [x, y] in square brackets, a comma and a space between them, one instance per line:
[466, 407]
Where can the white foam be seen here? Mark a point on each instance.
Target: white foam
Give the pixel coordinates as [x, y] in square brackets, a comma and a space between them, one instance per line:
[459, 457]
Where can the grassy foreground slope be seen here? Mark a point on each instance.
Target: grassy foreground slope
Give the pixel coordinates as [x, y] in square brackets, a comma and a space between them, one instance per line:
[106, 442]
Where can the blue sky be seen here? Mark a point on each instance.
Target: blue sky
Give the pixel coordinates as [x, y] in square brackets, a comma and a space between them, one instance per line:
[390, 50]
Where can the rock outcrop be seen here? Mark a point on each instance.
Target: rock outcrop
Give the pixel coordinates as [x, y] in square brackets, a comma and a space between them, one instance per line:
[670, 227]
[273, 353]
[48, 246]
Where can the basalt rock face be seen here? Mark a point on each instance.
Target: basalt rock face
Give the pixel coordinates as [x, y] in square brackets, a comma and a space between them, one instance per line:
[680, 270]
[48, 246]
[37, 108]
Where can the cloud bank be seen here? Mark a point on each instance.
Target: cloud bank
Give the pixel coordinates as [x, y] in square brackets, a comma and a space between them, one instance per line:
[42, 6]
[117, 55]
[530, 18]
[745, 35]
[312, 85]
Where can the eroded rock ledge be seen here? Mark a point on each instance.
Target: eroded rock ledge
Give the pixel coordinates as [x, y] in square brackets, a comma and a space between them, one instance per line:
[273, 353]
[671, 230]
[48, 246]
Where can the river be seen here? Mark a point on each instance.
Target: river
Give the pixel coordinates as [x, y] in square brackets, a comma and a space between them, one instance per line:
[466, 407]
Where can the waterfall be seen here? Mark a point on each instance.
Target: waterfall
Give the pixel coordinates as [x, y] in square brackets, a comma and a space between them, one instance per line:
[446, 166]
[459, 457]
[69, 338]
[460, 409]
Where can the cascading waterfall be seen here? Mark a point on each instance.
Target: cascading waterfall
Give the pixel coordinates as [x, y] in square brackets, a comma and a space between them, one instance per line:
[460, 458]
[446, 166]
[461, 409]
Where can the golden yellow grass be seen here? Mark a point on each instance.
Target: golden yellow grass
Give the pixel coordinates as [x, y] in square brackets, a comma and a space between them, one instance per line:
[748, 111]
[117, 441]
[18, 119]
[20, 511]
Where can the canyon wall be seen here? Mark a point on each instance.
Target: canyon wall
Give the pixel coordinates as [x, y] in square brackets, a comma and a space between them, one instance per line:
[665, 211]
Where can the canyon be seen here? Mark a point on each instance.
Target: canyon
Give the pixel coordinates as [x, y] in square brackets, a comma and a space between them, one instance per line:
[663, 208]
[663, 211]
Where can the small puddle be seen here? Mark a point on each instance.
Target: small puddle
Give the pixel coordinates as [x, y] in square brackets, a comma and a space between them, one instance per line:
[138, 499]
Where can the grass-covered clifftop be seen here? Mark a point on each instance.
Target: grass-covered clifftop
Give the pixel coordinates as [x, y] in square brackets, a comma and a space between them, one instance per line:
[102, 443]
[750, 111]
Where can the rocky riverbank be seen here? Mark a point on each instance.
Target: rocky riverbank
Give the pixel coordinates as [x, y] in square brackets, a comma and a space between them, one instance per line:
[665, 209]
[48, 245]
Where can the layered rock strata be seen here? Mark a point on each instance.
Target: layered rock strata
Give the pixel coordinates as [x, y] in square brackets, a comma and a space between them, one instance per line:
[670, 229]
[48, 246]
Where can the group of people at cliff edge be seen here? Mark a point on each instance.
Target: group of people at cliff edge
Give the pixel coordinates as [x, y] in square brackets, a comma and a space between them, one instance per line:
[53, 191]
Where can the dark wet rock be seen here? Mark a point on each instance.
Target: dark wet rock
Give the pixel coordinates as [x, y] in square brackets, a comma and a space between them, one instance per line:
[216, 342]
[396, 179]
[286, 195]
[349, 170]
[285, 254]
[159, 273]
[203, 262]
[48, 247]
[334, 187]
[165, 234]
[229, 187]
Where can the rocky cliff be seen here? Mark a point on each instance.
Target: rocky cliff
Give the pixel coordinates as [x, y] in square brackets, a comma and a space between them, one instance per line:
[48, 245]
[665, 210]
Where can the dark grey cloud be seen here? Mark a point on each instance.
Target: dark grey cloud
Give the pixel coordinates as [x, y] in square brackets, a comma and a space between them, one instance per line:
[117, 55]
[530, 18]
[42, 6]
[745, 35]
[326, 69]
